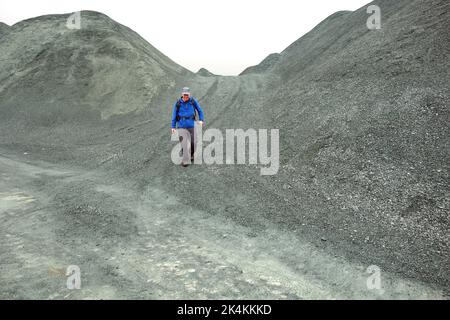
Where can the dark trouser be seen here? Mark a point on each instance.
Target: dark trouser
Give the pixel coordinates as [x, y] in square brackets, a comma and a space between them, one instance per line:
[187, 135]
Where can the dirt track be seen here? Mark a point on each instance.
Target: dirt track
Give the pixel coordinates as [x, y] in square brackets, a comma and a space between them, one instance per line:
[148, 244]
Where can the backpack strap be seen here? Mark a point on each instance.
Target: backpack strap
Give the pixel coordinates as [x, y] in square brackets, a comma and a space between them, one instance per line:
[195, 109]
[178, 110]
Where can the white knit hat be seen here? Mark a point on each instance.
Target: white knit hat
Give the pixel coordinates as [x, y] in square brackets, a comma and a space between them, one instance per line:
[186, 90]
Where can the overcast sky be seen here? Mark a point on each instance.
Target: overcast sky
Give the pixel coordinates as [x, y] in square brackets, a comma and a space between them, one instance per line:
[223, 36]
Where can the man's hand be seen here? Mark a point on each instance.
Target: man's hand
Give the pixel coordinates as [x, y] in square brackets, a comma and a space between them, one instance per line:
[174, 130]
[200, 123]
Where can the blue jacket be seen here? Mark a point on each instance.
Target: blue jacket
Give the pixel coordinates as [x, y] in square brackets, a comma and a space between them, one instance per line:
[186, 110]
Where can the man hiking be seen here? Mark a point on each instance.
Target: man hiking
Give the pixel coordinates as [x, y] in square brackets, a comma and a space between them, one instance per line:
[183, 118]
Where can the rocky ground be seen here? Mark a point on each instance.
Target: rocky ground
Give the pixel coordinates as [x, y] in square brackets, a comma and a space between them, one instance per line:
[87, 178]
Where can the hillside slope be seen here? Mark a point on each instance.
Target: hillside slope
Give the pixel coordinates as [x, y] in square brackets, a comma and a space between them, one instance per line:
[52, 73]
[363, 118]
